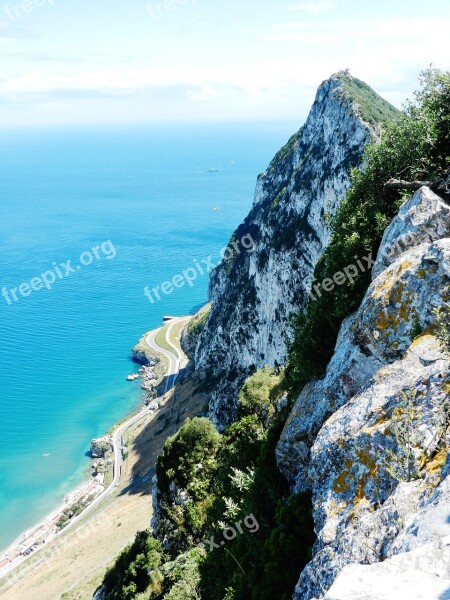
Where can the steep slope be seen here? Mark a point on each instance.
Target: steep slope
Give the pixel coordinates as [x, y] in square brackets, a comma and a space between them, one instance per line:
[254, 295]
[369, 439]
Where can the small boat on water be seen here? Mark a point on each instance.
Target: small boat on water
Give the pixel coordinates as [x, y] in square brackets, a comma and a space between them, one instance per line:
[216, 208]
[212, 170]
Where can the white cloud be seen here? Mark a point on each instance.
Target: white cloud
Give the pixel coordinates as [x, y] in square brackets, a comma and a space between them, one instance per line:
[353, 31]
[11, 31]
[314, 6]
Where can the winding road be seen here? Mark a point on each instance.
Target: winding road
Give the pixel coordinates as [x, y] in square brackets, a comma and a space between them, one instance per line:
[175, 359]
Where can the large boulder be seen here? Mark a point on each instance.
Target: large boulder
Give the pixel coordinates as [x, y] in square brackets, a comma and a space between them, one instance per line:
[423, 574]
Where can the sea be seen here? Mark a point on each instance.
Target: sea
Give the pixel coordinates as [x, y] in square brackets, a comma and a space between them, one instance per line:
[104, 212]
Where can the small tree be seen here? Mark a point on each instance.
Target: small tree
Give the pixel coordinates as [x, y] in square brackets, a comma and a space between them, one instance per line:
[259, 393]
[402, 463]
[405, 462]
[443, 321]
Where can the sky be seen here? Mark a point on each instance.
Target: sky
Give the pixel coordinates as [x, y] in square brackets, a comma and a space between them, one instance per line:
[72, 62]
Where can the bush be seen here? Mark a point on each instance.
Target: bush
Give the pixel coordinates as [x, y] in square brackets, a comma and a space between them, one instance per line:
[443, 321]
[182, 577]
[240, 571]
[259, 394]
[287, 549]
[130, 573]
[196, 443]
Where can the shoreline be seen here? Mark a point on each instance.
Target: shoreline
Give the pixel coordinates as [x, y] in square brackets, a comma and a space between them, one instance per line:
[87, 494]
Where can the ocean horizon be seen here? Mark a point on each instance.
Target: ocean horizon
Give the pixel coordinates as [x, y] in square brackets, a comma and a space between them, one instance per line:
[131, 207]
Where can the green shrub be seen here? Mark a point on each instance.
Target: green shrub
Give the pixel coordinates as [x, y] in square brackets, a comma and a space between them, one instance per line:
[443, 321]
[240, 570]
[259, 394]
[182, 577]
[130, 574]
[198, 322]
[287, 549]
[188, 457]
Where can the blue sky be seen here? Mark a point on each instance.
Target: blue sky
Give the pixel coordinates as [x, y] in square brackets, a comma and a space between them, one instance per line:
[135, 61]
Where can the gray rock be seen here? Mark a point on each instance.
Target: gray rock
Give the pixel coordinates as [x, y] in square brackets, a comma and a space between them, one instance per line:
[340, 439]
[422, 574]
[100, 446]
[402, 299]
[429, 524]
[424, 217]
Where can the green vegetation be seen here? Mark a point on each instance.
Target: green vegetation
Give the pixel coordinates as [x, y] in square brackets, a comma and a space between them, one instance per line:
[193, 445]
[265, 564]
[259, 393]
[182, 576]
[161, 340]
[443, 321]
[73, 511]
[226, 478]
[286, 151]
[196, 325]
[131, 573]
[372, 108]
[175, 333]
[416, 146]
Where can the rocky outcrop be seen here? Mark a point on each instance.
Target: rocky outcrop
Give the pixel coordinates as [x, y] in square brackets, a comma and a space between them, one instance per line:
[255, 293]
[359, 506]
[425, 217]
[419, 566]
[399, 305]
[100, 447]
[388, 381]
[423, 574]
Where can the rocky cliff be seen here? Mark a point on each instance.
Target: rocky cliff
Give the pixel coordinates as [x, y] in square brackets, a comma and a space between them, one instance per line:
[369, 439]
[254, 294]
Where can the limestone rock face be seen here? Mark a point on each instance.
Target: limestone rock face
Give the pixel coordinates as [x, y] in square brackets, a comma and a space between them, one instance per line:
[425, 217]
[423, 574]
[254, 294]
[399, 304]
[389, 380]
[359, 507]
[429, 524]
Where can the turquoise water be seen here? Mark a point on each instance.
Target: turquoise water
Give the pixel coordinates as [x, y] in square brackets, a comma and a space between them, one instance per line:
[64, 352]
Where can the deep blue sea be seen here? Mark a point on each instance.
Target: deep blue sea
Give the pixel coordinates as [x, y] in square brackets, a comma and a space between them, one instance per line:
[64, 352]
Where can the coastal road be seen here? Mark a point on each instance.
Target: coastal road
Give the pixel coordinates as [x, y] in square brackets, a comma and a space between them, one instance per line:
[175, 358]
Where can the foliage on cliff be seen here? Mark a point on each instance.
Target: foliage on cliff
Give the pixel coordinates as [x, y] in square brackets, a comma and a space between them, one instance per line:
[443, 319]
[224, 479]
[414, 147]
[372, 108]
[130, 574]
[259, 394]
